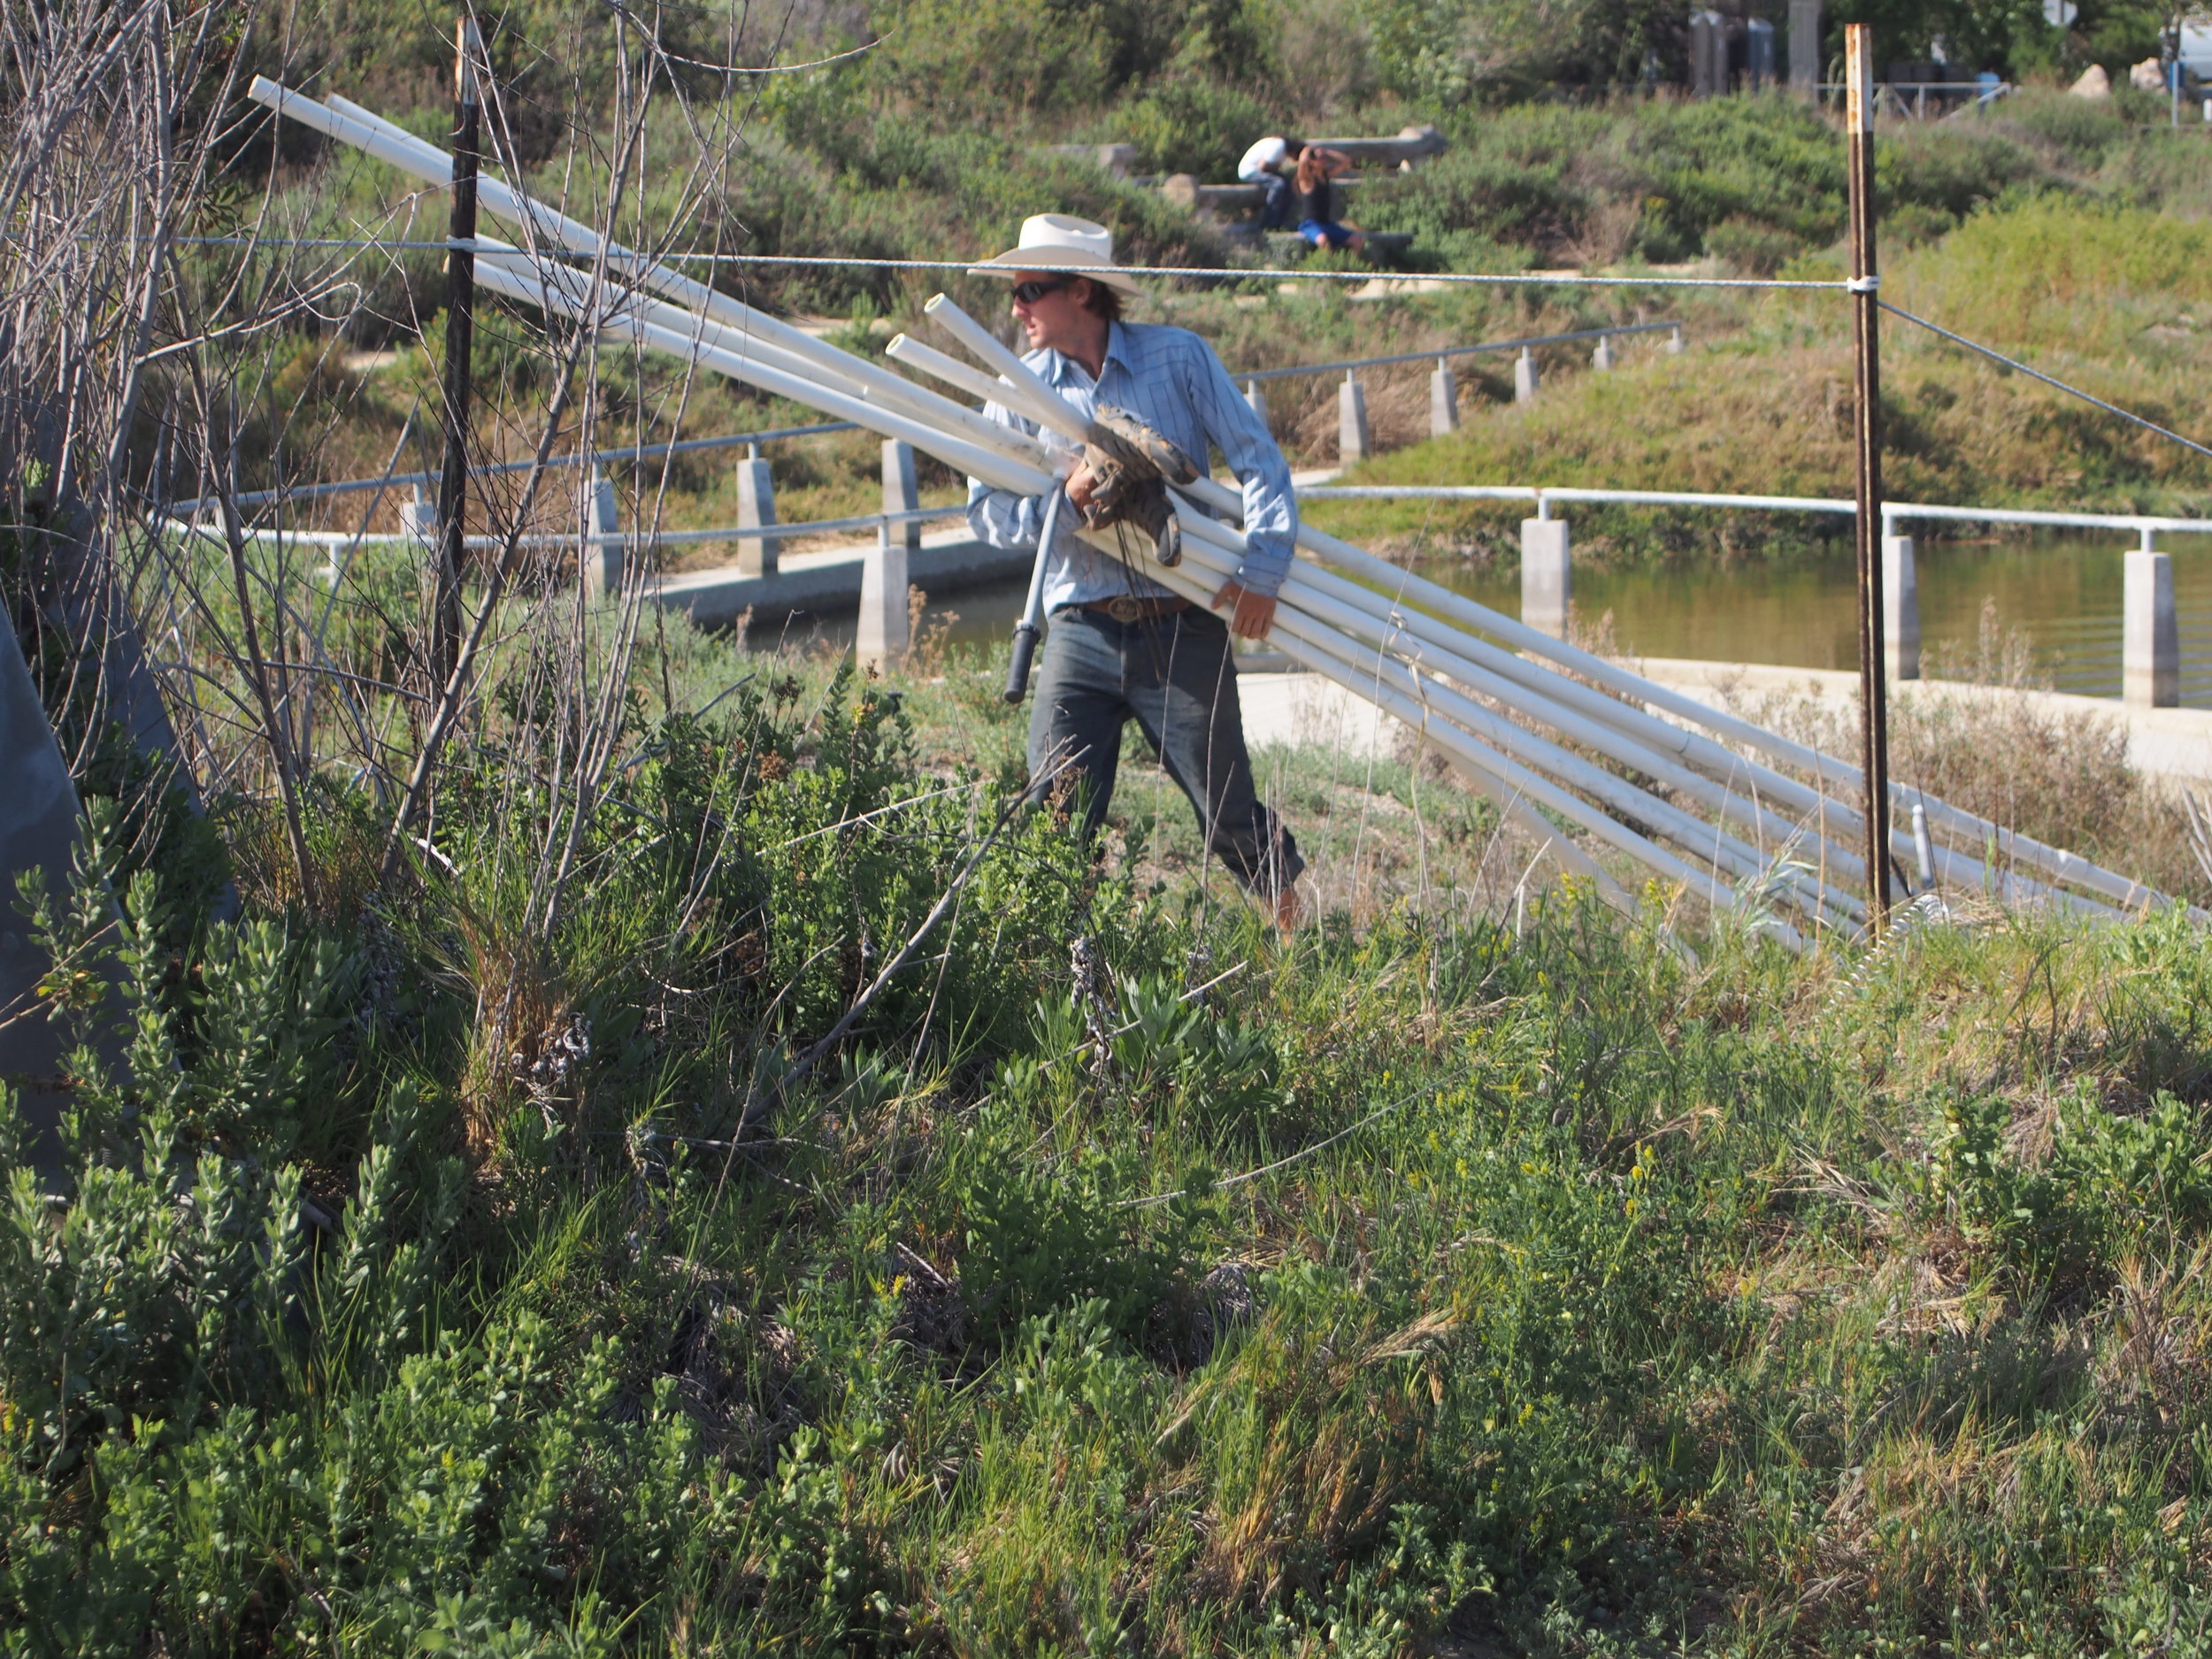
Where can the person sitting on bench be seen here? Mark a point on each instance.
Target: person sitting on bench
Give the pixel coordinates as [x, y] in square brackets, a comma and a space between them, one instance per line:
[1313, 199]
[1267, 164]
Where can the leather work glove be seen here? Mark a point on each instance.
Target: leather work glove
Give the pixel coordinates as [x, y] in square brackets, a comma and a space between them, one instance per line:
[1132, 465]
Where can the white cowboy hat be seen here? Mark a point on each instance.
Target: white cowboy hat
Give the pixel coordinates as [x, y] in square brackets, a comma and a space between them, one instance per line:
[1055, 242]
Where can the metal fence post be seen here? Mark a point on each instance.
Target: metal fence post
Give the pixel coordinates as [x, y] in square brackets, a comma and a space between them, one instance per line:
[2151, 655]
[1901, 600]
[899, 492]
[1354, 440]
[755, 507]
[1524, 379]
[1547, 575]
[602, 560]
[1443, 400]
[883, 634]
[460, 321]
[1601, 359]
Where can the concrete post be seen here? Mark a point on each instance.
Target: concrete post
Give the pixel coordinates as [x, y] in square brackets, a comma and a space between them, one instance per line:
[1601, 359]
[602, 560]
[883, 636]
[1257, 399]
[755, 506]
[1900, 608]
[1354, 440]
[1524, 377]
[1546, 579]
[2151, 660]
[899, 492]
[1443, 401]
[1674, 342]
[419, 518]
[1805, 47]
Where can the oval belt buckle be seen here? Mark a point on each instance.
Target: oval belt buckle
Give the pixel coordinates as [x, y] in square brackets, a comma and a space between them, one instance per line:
[1124, 609]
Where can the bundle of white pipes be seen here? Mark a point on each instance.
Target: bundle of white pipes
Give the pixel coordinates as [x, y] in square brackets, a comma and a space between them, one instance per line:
[1764, 825]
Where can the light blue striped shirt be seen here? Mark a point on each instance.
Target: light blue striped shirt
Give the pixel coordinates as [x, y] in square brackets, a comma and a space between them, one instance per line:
[1171, 379]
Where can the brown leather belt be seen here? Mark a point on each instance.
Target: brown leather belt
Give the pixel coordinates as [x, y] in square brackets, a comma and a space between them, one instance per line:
[1127, 608]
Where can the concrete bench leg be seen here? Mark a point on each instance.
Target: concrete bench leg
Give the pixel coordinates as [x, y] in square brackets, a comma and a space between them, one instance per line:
[1900, 608]
[2151, 662]
[1546, 577]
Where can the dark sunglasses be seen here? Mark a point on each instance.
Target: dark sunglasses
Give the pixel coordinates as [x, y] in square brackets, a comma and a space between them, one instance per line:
[1030, 293]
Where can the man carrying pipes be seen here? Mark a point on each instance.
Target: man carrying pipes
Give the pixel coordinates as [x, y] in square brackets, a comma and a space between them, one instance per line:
[1121, 647]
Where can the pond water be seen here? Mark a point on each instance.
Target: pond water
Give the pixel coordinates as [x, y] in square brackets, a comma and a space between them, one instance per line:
[2064, 594]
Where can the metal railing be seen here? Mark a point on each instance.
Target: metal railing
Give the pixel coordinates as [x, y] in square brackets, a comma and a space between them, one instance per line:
[586, 457]
[1248, 376]
[1893, 512]
[337, 539]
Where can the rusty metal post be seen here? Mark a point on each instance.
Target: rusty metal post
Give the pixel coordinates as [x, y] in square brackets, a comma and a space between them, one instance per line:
[460, 333]
[1866, 350]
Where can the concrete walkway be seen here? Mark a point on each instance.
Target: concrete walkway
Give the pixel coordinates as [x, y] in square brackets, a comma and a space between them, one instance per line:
[1299, 709]
[950, 561]
[2161, 743]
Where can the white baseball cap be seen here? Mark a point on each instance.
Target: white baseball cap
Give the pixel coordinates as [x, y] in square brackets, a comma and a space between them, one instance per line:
[1056, 242]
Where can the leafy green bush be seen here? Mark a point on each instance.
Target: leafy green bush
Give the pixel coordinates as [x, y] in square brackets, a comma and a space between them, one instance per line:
[2108, 1185]
[1040, 1235]
[1187, 125]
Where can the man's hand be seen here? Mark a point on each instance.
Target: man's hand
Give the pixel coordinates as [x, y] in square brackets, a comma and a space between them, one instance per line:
[1082, 483]
[1251, 615]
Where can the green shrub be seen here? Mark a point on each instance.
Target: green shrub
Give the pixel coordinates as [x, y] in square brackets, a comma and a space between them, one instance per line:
[2107, 1187]
[1040, 1235]
[1187, 125]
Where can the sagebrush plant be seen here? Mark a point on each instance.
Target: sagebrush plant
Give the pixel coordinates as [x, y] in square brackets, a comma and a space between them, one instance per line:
[1126, 1281]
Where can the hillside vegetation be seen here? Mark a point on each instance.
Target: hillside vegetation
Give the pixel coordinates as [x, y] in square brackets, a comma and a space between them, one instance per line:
[2048, 227]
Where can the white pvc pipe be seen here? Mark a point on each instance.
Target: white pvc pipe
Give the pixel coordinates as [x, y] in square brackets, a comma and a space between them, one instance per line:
[1374, 677]
[2055, 861]
[1482, 766]
[999, 472]
[1532, 702]
[1441, 650]
[918, 402]
[393, 145]
[1695, 834]
[1026, 391]
[926, 359]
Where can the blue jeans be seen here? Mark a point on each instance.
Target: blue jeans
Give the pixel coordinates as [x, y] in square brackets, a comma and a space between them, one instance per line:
[1275, 205]
[1174, 677]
